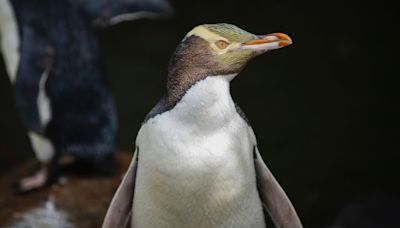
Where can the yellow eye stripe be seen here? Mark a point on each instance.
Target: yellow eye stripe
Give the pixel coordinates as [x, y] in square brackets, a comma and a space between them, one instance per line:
[217, 42]
[204, 33]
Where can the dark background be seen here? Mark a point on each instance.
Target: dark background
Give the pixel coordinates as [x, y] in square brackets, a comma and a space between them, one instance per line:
[323, 109]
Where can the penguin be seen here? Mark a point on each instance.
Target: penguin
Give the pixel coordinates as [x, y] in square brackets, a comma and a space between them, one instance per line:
[196, 162]
[62, 94]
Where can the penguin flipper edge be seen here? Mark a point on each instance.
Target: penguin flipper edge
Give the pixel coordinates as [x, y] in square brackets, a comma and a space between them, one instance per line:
[119, 213]
[273, 197]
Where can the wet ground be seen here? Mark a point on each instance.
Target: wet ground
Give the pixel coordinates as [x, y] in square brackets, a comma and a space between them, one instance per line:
[75, 202]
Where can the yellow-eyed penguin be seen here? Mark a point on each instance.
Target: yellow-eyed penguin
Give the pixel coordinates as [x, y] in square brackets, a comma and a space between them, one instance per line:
[196, 162]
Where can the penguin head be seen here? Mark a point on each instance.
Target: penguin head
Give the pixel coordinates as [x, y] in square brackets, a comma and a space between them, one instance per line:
[222, 49]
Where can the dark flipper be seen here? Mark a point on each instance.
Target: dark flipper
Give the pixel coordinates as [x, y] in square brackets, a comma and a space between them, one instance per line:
[36, 59]
[119, 213]
[273, 197]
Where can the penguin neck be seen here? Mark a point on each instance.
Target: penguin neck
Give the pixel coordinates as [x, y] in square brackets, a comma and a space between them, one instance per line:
[207, 103]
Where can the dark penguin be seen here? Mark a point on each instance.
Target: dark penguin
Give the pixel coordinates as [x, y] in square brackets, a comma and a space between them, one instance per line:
[196, 162]
[62, 94]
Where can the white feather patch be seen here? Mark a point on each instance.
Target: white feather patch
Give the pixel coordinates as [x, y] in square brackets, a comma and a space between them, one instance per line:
[10, 40]
[43, 101]
[42, 147]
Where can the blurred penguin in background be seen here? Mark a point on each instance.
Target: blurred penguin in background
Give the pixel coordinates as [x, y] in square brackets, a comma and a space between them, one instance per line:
[62, 94]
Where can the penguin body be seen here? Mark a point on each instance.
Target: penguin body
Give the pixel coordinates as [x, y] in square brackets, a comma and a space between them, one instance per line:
[196, 162]
[53, 60]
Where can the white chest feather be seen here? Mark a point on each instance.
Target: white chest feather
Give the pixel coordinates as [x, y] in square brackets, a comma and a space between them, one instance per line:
[43, 101]
[9, 38]
[196, 164]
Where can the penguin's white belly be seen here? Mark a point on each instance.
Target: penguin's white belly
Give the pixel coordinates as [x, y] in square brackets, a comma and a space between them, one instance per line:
[196, 177]
[203, 182]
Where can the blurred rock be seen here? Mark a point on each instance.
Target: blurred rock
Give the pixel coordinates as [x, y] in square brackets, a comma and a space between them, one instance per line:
[46, 215]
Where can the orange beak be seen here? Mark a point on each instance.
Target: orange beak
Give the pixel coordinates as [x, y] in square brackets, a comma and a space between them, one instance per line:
[268, 42]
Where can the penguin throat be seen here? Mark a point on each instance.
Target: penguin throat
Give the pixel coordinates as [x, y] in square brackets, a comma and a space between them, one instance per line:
[208, 102]
[178, 86]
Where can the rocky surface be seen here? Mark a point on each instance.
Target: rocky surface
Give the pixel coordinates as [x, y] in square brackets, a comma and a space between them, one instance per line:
[77, 201]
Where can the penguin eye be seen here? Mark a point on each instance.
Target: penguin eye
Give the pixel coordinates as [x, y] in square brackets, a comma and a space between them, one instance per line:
[221, 44]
